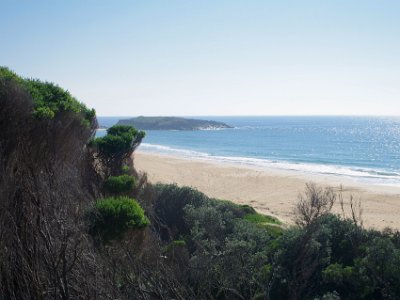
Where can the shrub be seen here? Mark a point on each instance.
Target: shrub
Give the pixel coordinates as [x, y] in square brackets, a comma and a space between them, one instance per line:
[315, 203]
[173, 245]
[112, 217]
[261, 219]
[119, 184]
[119, 138]
[49, 99]
[116, 148]
[170, 204]
[238, 210]
[125, 170]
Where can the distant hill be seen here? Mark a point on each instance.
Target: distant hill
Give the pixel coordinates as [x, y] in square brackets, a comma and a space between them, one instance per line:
[172, 123]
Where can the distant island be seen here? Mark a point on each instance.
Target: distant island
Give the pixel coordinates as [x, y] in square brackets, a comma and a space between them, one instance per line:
[172, 123]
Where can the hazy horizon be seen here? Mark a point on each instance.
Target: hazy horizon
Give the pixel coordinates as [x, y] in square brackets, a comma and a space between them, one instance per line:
[287, 115]
[211, 58]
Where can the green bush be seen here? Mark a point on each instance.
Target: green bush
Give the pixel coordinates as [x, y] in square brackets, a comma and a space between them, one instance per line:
[119, 138]
[261, 219]
[336, 273]
[170, 204]
[173, 245]
[125, 170]
[114, 150]
[6, 74]
[119, 184]
[49, 99]
[238, 210]
[112, 217]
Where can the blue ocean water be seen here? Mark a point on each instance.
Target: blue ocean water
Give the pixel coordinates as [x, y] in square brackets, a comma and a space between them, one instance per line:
[362, 148]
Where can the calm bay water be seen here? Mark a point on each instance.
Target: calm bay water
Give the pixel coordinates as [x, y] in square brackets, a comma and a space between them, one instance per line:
[363, 148]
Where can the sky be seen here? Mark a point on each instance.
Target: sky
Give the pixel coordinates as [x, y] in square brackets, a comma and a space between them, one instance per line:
[210, 57]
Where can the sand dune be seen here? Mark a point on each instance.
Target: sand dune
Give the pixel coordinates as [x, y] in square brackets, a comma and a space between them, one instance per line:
[269, 191]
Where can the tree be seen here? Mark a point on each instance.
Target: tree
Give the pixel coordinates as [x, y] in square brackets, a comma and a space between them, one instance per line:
[115, 149]
[315, 202]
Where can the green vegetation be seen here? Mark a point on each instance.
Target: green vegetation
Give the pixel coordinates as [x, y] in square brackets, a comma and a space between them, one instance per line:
[114, 150]
[48, 98]
[122, 184]
[227, 254]
[174, 244]
[112, 217]
[171, 123]
[336, 256]
[125, 170]
[118, 139]
[235, 251]
[194, 247]
[261, 219]
[7, 75]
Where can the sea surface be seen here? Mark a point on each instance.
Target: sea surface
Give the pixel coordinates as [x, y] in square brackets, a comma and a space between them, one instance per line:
[365, 149]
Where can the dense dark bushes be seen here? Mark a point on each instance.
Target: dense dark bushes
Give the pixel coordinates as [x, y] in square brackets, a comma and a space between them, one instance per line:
[235, 253]
[335, 255]
[194, 248]
[228, 255]
[46, 184]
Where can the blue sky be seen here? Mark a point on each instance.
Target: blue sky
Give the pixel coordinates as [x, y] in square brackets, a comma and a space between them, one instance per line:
[211, 57]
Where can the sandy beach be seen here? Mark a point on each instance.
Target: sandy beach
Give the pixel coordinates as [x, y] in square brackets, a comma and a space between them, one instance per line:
[269, 191]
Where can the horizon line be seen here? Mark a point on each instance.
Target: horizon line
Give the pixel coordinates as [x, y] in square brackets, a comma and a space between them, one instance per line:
[283, 115]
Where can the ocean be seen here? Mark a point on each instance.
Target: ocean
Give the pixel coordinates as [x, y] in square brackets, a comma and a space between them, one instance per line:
[366, 149]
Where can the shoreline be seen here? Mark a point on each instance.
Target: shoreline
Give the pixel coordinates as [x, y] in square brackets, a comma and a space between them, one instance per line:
[270, 191]
[363, 176]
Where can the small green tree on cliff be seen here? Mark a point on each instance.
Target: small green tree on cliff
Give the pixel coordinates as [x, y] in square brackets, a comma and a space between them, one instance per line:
[115, 148]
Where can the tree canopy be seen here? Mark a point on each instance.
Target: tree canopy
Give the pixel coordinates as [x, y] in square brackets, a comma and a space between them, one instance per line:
[116, 147]
[48, 98]
[112, 217]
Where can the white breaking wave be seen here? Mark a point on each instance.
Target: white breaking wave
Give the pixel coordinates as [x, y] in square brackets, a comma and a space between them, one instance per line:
[375, 176]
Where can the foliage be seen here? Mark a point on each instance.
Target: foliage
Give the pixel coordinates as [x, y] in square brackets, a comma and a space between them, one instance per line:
[261, 219]
[170, 204]
[125, 170]
[174, 244]
[112, 217]
[114, 150]
[122, 184]
[48, 179]
[7, 75]
[195, 248]
[228, 255]
[235, 253]
[171, 123]
[337, 255]
[238, 210]
[46, 183]
[119, 138]
[49, 99]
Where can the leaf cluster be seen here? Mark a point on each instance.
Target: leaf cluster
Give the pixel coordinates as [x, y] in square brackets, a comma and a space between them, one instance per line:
[229, 255]
[49, 99]
[119, 138]
[122, 184]
[334, 255]
[112, 217]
